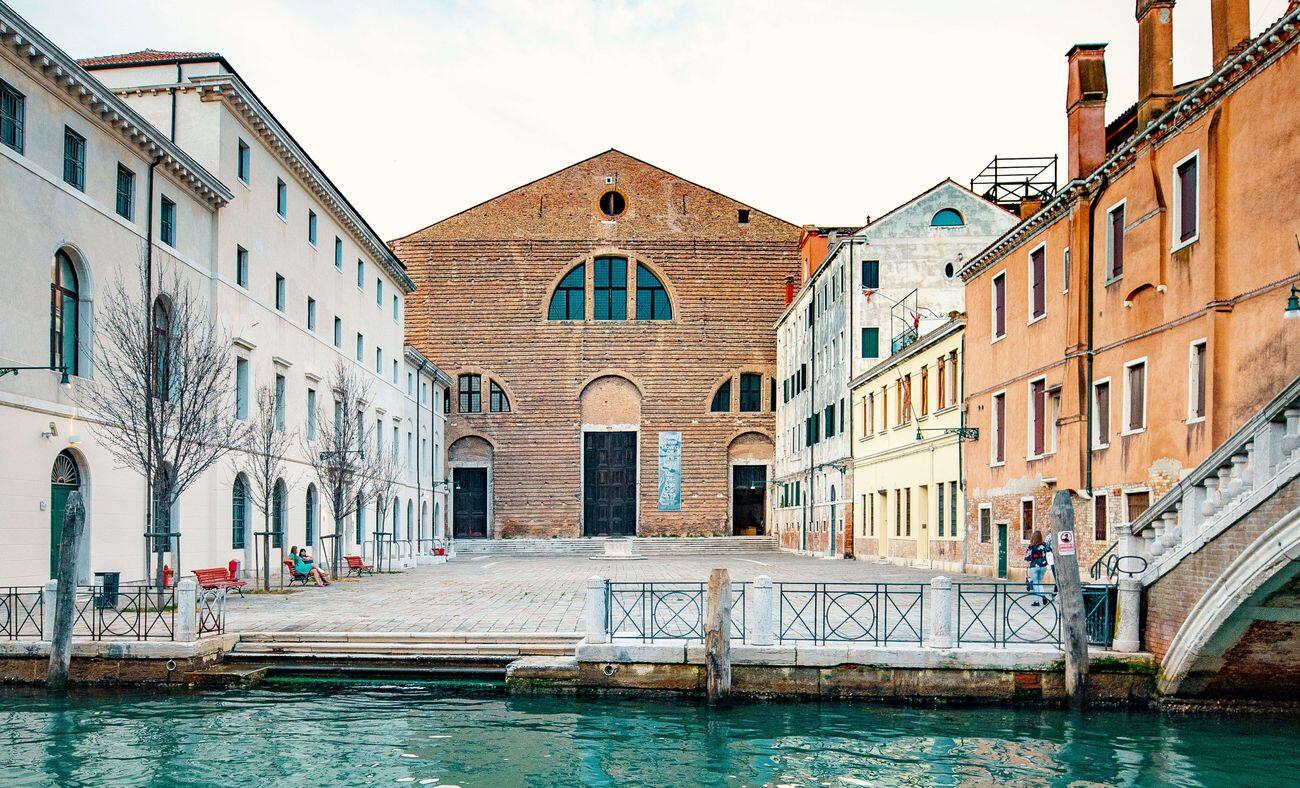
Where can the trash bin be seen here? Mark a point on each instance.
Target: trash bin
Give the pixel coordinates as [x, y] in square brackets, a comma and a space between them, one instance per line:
[106, 587]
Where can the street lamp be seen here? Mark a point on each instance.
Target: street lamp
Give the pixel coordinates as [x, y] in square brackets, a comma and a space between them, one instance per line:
[962, 433]
[1293, 305]
[63, 370]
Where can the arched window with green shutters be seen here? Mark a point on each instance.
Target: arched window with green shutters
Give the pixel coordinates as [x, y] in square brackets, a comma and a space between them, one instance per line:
[651, 298]
[309, 537]
[239, 514]
[278, 504]
[568, 302]
[64, 303]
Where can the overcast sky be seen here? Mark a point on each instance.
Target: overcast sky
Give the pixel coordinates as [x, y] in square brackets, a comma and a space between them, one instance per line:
[816, 111]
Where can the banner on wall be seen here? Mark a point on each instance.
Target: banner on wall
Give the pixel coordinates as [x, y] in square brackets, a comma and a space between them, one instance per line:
[670, 471]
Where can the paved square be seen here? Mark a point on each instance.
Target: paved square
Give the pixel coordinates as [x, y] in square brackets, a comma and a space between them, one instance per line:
[516, 594]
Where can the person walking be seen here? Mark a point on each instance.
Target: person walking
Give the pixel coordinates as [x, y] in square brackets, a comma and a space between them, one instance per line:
[1036, 556]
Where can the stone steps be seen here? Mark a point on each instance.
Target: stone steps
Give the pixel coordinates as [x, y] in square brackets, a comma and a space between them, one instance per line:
[382, 650]
[641, 546]
[397, 638]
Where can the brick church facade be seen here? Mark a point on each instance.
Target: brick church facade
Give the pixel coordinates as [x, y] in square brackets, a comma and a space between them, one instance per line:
[609, 330]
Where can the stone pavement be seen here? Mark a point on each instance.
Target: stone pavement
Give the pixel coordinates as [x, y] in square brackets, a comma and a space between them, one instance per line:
[515, 594]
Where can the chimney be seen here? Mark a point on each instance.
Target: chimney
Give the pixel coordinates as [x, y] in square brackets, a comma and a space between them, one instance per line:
[1155, 59]
[1030, 206]
[1229, 28]
[789, 290]
[1085, 109]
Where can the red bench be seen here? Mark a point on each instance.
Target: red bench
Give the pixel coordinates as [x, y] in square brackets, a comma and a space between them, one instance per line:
[294, 577]
[218, 578]
[358, 567]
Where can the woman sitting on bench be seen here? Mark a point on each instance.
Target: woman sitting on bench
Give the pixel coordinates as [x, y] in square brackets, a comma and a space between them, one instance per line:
[303, 565]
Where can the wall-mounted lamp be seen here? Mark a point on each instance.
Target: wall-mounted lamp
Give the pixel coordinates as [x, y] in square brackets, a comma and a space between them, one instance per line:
[52, 432]
[1292, 311]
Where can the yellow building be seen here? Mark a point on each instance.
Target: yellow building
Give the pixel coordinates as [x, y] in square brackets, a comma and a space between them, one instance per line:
[906, 457]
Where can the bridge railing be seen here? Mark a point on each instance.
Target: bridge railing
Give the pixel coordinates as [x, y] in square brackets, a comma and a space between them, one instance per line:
[182, 612]
[876, 613]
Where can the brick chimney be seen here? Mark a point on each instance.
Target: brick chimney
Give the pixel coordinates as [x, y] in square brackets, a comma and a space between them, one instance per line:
[1085, 109]
[1229, 28]
[1155, 59]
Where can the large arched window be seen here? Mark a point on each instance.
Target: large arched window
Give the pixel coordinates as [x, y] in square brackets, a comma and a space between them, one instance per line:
[947, 217]
[309, 538]
[722, 398]
[609, 288]
[651, 297]
[64, 301]
[239, 514]
[278, 504]
[162, 338]
[570, 297]
[392, 532]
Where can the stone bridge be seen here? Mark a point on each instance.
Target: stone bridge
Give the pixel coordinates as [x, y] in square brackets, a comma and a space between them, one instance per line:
[1209, 577]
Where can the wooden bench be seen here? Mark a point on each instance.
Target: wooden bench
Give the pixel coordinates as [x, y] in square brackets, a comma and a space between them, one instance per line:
[358, 567]
[294, 577]
[218, 578]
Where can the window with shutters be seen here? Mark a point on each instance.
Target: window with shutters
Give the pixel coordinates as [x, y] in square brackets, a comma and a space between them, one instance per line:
[1135, 503]
[167, 222]
[1100, 531]
[74, 159]
[871, 274]
[999, 418]
[239, 513]
[1038, 283]
[1135, 396]
[938, 519]
[1196, 374]
[1026, 519]
[13, 110]
[1186, 201]
[925, 391]
[941, 380]
[125, 192]
[65, 318]
[1037, 418]
[1115, 242]
[871, 342]
[281, 198]
[998, 306]
[1101, 414]
[986, 525]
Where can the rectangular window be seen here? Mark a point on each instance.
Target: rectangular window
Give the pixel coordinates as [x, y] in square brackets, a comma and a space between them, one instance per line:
[829, 411]
[281, 198]
[1186, 200]
[361, 275]
[241, 266]
[871, 342]
[74, 159]
[338, 332]
[361, 347]
[898, 512]
[1135, 503]
[952, 508]
[469, 394]
[125, 192]
[311, 227]
[1065, 271]
[941, 391]
[1101, 414]
[13, 112]
[986, 525]
[1100, 532]
[311, 313]
[1037, 283]
[338, 253]
[610, 289]
[167, 224]
[279, 292]
[925, 391]
[243, 163]
[938, 520]
[871, 274]
[379, 361]
[394, 372]
[1026, 520]
[1135, 396]
[311, 414]
[999, 428]
[999, 306]
[1037, 418]
[1115, 242]
[751, 392]
[1196, 371]
[907, 512]
[279, 403]
[869, 416]
[952, 375]
[396, 309]
[241, 388]
[1053, 417]
[379, 291]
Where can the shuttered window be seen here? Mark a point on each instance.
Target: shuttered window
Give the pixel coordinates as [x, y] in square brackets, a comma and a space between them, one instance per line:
[1037, 283]
[871, 342]
[1115, 242]
[999, 306]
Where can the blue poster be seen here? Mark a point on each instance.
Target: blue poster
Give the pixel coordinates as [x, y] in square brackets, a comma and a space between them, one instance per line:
[670, 471]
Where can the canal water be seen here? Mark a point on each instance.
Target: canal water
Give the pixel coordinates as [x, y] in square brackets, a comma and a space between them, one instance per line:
[356, 734]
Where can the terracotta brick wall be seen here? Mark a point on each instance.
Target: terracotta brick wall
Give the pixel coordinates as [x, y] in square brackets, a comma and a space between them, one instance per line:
[484, 281]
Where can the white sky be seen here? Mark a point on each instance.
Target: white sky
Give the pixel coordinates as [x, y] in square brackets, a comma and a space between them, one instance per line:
[816, 111]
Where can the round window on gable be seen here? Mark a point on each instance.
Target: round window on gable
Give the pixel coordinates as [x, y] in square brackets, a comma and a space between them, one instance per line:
[612, 203]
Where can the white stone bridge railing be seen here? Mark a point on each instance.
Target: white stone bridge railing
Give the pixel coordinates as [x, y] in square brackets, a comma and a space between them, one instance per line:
[1260, 458]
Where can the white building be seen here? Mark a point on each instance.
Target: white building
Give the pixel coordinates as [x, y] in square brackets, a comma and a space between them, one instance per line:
[290, 270]
[893, 274]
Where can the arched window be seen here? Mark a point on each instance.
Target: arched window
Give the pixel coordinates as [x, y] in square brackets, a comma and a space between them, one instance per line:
[361, 520]
[947, 217]
[64, 294]
[392, 532]
[498, 402]
[751, 392]
[162, 514]
[278, 504]
[162, 337]
[410, 519]
[609, 288]
[570, 298]
[239, 514]
[309, 538]
[651, 297]
[722, 398]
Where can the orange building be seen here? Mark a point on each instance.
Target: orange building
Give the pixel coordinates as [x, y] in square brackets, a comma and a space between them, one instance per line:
[1127, 327]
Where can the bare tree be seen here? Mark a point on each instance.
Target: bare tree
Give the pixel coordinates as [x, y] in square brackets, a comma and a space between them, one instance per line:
[383, 486]
[341, 455]
[165, 394]
[265, 445]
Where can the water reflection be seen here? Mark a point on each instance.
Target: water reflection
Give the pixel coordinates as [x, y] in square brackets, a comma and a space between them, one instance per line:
[360, 734]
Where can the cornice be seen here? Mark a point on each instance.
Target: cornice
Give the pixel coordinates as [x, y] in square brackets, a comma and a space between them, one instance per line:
[63, 75]
[1264, 50]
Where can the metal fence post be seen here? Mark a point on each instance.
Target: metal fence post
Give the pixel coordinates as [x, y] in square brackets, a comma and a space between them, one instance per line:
[49, 597]
[763, 634]
[187, 600]
[597, 612]
[941, 612]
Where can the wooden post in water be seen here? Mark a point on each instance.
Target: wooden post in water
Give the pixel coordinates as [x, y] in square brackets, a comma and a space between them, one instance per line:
[717, 636]
[74, 520]
[1069, 600]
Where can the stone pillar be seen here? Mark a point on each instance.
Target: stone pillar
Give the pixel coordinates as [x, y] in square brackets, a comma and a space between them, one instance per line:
[597, 612]
[1291, 439]
[941, 612]
[49, 600]
[187, 618]
[1128, 616]
[763, 612]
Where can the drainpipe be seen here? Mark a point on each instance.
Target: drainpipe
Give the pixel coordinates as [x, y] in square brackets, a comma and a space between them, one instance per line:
[148, 400]
[812, 410]
[419, 487]
[179, 77]
[1088, 358]
[961, 422]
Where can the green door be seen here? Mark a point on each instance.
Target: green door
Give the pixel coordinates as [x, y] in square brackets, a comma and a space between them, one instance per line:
[1002, 550]
[64, 478]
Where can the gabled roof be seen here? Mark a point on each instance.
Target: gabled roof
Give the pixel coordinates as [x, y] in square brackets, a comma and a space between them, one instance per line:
[144, 57]
[892, 212]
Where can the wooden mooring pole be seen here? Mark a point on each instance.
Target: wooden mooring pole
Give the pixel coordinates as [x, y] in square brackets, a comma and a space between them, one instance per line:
[717, 636]
[1069, 600]
[74, 520]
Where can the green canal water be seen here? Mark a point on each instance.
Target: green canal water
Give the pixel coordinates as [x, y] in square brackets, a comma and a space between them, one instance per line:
[323, 734]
